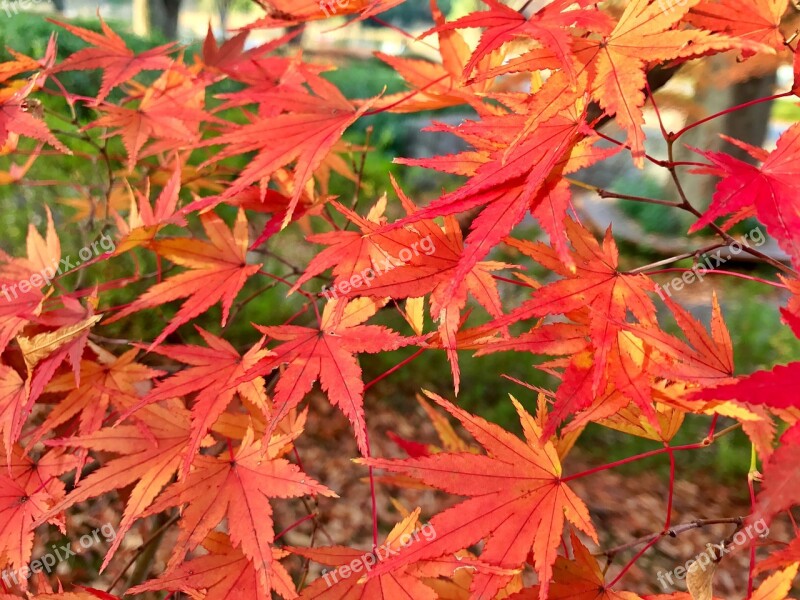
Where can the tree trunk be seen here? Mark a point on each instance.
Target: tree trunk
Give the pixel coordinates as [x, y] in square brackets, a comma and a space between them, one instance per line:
[750, 124]
[223, 7]
[164, 17]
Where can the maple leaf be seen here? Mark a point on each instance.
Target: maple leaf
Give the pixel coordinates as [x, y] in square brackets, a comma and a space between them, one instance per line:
[222, 574]
[28, 489]
[304, 134]
[217, 272]
[578, 579]
[618, 61]
[239, 486]
[517, 500]
[327, 354]
[118, 62]
[20, 506]
[152, 451]
[424, 272]
[214, 373]
[144, 220]
[596, 285]
[772, 189]
[549, 25]
[166, 113]
[757, 20]
[111, 381]
[23, 64]
[396, 583]
[17, 117]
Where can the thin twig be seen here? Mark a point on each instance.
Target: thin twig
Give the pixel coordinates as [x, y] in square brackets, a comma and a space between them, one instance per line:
[671, 532]
[142, 547]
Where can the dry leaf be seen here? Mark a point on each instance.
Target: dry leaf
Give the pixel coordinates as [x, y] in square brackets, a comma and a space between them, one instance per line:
[700, 579]
[40, 346]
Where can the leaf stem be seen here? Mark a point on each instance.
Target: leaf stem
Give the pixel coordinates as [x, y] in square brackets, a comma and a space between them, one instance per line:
[669, 449]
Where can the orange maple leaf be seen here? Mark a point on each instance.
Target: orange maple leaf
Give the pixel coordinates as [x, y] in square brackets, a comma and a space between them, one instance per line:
[517, 501]
[757, 20]
[327, 354]
[215, 373]
[167, 114]
[301, 128]
[618, 61]
[151, 451]
[217, 271]
[224, 573]
[239, 486]
[596, 285]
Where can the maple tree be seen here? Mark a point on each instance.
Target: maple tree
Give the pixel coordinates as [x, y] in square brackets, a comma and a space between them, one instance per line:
[205, 182]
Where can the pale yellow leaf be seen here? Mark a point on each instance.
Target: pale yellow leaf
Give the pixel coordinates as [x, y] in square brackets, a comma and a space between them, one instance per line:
[37, 348]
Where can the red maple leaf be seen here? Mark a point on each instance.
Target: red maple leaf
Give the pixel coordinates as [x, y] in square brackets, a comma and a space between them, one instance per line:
[119, 63]
[17, 117]
[773, 189]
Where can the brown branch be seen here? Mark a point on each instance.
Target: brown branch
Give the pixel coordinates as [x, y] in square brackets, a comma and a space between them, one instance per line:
[672, 532]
